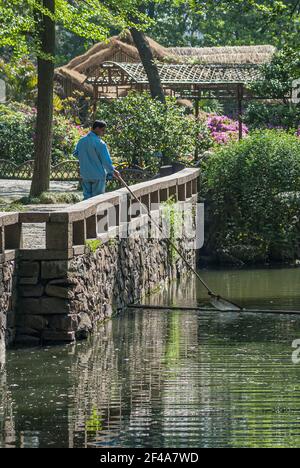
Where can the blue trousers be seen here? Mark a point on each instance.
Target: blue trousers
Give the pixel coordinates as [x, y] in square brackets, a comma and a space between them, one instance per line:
[93, 187]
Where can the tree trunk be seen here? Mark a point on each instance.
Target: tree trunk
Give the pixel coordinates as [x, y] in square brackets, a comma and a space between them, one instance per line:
[151, 69]
[44, 124]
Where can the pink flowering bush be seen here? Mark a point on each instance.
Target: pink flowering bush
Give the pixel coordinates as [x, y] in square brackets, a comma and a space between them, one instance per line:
[298, 132]
[223, 129]
[17, 134]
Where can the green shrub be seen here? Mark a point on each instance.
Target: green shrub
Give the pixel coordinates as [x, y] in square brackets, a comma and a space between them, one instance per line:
[17, 133]
[141, 130]
[252, 191]
[260, 116]
[275, 82]
[21, 80]
[276, 77]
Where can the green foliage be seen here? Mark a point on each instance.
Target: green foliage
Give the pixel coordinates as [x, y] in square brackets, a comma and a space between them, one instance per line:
[17, 133]
[77, 108]
[11, 207]
[252, 197]
[21, 80]
[91, 20]
[218, 22]
[262, 115]
[69, 45]
[211, 106]
[65, 137]
[94, 423]
[93, 245]
[276, 83]
[173, 220]
[278, 75]
[141, 130]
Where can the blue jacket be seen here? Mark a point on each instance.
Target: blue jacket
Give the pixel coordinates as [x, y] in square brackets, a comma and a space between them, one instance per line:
[94, 158]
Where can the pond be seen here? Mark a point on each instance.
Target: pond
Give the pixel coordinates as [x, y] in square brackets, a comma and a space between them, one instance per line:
[167, 379]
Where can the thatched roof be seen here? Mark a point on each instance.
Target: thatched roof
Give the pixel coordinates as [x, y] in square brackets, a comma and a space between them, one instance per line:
[223, 55]
[103, 52]
[121, 49]
[107, 51]
[77, 79]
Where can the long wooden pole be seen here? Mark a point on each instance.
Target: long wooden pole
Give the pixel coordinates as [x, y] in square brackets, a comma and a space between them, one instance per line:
[209, 309]
[213, 296]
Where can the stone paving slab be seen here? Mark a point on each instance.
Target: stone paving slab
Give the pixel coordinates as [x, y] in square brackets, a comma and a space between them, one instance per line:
[11, 190]
[34, 235]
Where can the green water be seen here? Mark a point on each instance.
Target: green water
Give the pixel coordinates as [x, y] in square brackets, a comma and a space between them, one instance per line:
[166, 379]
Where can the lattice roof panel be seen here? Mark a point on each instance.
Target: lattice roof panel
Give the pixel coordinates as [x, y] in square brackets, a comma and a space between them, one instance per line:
[116, 73]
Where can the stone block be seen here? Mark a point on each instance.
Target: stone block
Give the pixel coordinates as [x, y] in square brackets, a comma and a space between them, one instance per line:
[59, 236]
[28, 331]
[29, 269]
[44, 306]
[63, 323]
[51, 336]
[11, 319]
[34, 217]
[36, 322]
[29, 281]
[85, 326]
[39, 255]
[63, 292]
[30, 306]
[107, 309]
[54, 269]
[31, 290]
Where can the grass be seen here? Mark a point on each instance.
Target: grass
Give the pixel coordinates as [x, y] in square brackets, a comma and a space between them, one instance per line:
[11, 207]
[52, 198]
[46, 198]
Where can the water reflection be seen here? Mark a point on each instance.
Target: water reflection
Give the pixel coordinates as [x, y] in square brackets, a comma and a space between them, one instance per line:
[270, 288]
[7, 429]
[160, 379]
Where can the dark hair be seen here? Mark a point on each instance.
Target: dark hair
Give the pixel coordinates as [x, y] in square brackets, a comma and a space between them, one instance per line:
[99, 124]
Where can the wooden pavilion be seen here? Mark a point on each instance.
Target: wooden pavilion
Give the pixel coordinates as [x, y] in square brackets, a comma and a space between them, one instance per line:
[110, 70]
[121, 49]
[193, 82]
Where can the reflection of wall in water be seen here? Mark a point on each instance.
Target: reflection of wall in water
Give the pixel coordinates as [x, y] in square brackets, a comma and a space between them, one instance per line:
[122, 377]
[94, 389]
[7, 429]
[181, 292]
[2, 354]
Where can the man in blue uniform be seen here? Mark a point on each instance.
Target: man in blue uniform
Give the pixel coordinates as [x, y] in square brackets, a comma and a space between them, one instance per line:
[95, 162]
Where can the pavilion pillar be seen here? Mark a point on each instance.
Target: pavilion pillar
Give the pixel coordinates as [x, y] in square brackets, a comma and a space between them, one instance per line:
[197, 112]
[95, 101]
[197, 108]
[240, 96]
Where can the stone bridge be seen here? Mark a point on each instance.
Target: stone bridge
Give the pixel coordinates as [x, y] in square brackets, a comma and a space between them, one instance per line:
[95, 261]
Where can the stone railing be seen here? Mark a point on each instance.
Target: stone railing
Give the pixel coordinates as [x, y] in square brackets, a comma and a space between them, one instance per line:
[68, 231]
[90, 266]
[10, 240]
[10, 235]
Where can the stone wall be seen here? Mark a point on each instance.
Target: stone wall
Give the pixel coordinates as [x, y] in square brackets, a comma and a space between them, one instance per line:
[62, 300]
[86, 271]
[7, 304]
